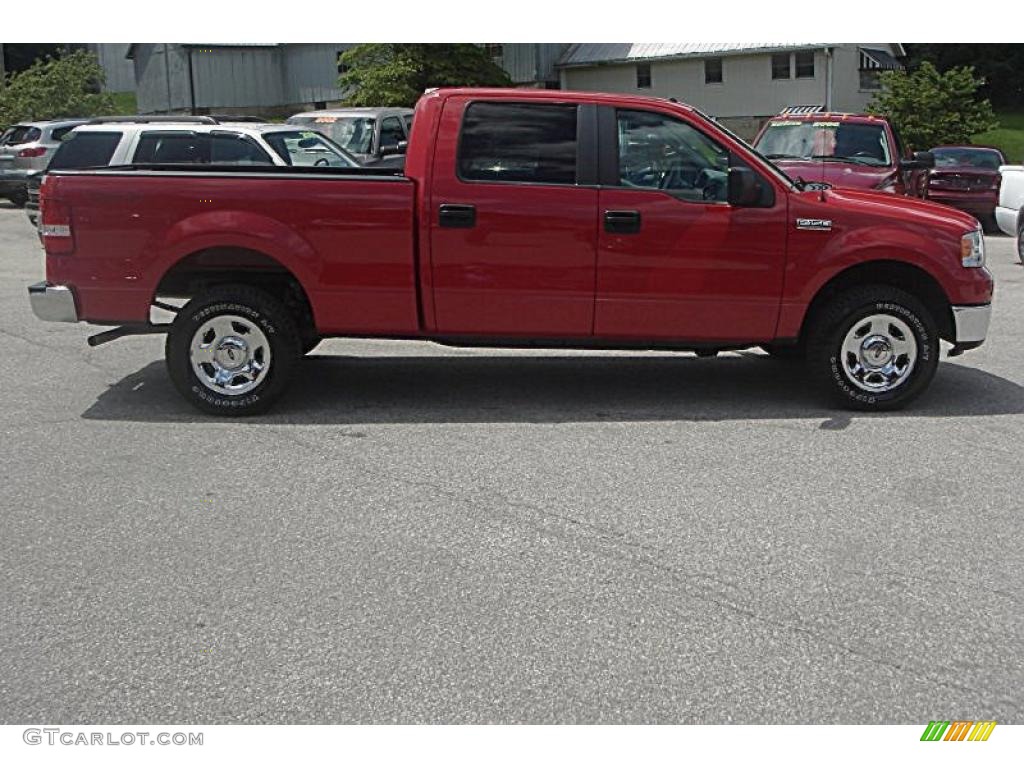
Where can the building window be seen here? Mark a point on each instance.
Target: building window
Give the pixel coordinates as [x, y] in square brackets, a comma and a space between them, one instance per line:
[643, 75]
[495, 50]
[319, 105]
[780, 66]
[869, 79]
[712, 70]
[804, 63]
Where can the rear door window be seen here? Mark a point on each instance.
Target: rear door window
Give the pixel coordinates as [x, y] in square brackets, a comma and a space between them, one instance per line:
[172, 147]
[88, 149]
[525, 143]
[235, 149]
[391, 132]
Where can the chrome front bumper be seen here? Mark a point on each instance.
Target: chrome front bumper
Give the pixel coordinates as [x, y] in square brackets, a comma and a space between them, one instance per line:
[55, 303]
[971, 323]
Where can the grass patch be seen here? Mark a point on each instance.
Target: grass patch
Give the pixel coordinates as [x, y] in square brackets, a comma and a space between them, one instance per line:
[1009, 136]
[125, 103]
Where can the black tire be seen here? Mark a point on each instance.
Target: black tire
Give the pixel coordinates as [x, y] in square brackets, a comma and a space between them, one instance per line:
[266, 314]
[829, 329]
[787, 353]
[1020, 237]
[309, 343]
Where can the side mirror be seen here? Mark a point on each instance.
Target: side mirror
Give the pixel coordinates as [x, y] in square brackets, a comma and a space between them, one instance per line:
[744, 187]
[921, 161]
[394, 149]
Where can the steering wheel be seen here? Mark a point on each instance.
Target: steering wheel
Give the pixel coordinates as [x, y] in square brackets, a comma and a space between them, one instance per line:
[322, 162]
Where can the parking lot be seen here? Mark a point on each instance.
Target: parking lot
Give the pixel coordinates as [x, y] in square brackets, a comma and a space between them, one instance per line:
[422, 534]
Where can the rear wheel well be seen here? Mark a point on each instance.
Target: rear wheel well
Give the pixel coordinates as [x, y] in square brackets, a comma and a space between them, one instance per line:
[897, 274]
[198, 272]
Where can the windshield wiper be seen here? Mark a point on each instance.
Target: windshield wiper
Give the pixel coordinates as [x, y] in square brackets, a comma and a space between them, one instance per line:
[842, 159]
[777, 156]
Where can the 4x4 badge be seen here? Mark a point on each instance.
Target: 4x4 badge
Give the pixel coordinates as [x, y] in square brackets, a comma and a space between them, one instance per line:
[822, 224]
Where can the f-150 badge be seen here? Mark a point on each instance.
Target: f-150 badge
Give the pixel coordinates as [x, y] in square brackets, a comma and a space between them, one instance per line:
[820, 224]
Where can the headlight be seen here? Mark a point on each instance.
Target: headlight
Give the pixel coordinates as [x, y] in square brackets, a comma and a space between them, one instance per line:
[972, 249]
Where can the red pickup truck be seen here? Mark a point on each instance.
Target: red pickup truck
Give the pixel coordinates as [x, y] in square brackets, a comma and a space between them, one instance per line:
[522, 218]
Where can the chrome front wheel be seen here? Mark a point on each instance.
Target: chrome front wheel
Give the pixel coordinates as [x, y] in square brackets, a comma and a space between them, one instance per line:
[879, 353]
[873, 347]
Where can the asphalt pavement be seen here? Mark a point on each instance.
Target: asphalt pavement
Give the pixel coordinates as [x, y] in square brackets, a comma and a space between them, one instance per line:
[423, 534]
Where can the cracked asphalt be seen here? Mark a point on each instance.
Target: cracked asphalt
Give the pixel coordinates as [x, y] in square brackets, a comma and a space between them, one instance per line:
[421, 534]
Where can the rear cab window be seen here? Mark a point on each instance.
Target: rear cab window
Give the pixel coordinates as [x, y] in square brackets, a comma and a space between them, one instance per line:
[86, 149]
[518, 143]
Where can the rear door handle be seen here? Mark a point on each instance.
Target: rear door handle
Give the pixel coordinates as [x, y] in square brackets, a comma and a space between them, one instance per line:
[457, 216]
[622, 222]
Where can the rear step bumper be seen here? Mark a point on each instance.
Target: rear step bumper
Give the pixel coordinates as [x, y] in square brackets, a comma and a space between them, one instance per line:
[55, 303]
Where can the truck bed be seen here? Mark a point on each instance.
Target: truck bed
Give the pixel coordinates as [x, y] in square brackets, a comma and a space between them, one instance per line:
[345, 234]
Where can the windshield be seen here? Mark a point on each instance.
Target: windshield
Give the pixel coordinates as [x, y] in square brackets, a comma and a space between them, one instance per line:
[353, 134]
[988, 159]
[752, 150]
[861, 143]
[305, 148]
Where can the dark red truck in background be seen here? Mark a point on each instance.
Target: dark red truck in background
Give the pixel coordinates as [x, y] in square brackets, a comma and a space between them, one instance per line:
[845, 150]
[522, 218]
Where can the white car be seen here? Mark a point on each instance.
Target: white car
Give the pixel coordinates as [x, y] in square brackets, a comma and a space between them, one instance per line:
[170, 140]
[1010, 211]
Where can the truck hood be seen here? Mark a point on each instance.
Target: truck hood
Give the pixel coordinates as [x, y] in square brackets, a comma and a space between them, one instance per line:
[898, 209]
[837, 174]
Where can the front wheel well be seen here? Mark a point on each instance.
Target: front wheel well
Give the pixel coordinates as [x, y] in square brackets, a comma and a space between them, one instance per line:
[204, 270]
[897, 274]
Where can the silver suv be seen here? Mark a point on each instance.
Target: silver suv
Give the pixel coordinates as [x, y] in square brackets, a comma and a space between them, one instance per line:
[171, 140]
[375, 136]
[26, 149]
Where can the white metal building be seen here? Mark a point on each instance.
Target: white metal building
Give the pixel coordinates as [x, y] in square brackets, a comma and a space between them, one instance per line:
[232, 78]
[742, 84]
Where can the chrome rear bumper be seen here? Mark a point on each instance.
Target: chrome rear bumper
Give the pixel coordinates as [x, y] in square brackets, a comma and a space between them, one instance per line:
[55, 303]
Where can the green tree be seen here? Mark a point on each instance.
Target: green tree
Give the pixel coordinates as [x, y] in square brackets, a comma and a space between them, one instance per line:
[931, 108]
[66, 86]
[397, 74]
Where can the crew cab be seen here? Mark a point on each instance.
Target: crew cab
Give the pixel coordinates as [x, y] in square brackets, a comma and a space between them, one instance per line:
[844, 150]
[521, 219]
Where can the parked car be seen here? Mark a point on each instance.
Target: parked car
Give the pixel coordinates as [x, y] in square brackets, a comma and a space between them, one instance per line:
[967, 177]
[375, 136]
[507, 228]
[25, 149]
[844, 150]
[1010, 211]
[172, 140]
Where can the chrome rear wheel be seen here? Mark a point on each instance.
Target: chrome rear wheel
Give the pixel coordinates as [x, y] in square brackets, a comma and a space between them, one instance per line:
[230, 354]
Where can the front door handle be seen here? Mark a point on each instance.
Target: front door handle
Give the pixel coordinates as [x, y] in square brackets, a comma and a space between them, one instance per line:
[622, 222]
[457, 216]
